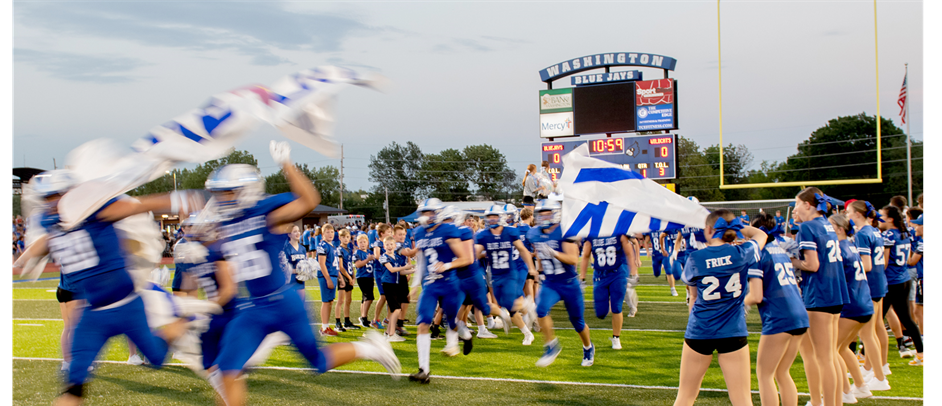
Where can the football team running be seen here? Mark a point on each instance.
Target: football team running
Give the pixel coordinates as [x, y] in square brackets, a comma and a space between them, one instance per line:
[821, 281]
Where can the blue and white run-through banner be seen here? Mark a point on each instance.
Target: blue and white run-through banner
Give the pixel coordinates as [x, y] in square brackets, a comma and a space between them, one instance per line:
[603, 199]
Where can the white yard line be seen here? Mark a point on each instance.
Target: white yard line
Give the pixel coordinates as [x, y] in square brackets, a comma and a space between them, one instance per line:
[474, 378]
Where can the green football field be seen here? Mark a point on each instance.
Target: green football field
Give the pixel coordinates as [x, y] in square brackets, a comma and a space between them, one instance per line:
[501, 370]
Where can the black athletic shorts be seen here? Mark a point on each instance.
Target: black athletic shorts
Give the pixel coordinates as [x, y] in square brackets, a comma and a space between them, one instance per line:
[828, 309]
[366, 287]
[798, 331]
[860, 319]
[530, 277]
[467, 301]
[64, 296]
[347, 287]
[720, 345]
[393, 299]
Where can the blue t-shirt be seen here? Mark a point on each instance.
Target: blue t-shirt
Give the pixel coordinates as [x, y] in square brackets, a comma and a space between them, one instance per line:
[608, 256]
[792, 226]
[899, 246]
[554, 270]
[780, 220]
[252, 248]
[857, 289]
[781, 308]
[720, 275]
[498, 249]
[372, 236]
[396, 261]
[827, 286]
[869, 241]
[331, 260]
[918, 249]
[306, 238]
[744, 218]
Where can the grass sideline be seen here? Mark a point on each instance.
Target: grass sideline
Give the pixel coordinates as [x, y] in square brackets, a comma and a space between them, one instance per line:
[649, 359]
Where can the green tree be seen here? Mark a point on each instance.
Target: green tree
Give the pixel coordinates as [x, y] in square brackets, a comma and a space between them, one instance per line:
[489, 171]
[395, 169]
[736, 160]
[445, 176]
[195, 178]
[17, 209]
[695, 174]
[326, 179]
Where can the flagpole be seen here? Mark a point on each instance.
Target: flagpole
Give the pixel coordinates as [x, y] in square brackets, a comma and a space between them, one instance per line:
[909, 144]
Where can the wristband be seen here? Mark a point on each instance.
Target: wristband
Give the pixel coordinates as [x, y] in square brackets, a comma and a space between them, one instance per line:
[447, 266]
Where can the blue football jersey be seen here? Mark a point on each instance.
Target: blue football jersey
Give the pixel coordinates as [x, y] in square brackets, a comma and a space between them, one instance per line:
[692, 237]
[519, 263]
[918, 249]
[474, 269]
[346, 258]
[781, 308]
[433, 244]
[252, 248]
[205, 275]
[554, 270]
[858, 291]
[896, 268]
[395, 261]
[655, 244]
[498, 249]
[720, 275]
[608, 256]
[827, 286]
[365, 271]
[331, 260]
[379, 269]
[869, 241]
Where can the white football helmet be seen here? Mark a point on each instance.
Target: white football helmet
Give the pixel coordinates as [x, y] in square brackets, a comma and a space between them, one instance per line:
[53, 182]
[497, 210]
[544, 219]
[451, 212]
[244, 180]
[693, 199]
[430, 211]
[511, 214]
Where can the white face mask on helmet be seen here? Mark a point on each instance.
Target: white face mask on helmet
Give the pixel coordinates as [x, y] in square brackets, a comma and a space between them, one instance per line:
[244, 181]
[430, 212]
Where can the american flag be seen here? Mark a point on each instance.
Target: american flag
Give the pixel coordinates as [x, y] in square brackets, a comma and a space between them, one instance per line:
[902, 101]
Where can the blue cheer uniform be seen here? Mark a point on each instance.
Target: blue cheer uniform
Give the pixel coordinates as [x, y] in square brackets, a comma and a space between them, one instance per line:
[826, 289]
[781, 308]
[896, 268]
[610, 274]
[860, 307]
[442, 287]
[294, 256]
[918, 249]
[498, 253]
[869, 241]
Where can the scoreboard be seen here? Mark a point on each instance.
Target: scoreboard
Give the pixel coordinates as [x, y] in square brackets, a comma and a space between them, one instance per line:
[653, 156]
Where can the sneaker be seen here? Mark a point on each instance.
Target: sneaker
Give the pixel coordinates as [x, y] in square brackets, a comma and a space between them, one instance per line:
[467, 345]
[402, 331]
[329, 332]
[861, 359]
[886, 370]
[340, 327]
[463, 331]
[490, 322]
[907, 341]
[616, 343]
[673, 291]
[135, 360]
[875, 384]
[505, 318]
[906, 353]
[386, 356]
[436, 332]
[632, 312]
[917, 361]
[867, 373]
[588, 356]
[365, 322]
[420, 377]
[550, 352]
[386, 320]
[395, 338]
[861, 392]
[378, 325]
[849, 398]
[350, 326]
[451, 351]
[483, 332]
[528, 339]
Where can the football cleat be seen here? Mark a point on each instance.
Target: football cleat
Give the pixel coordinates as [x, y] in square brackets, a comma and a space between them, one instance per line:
[387, 358]
[451, 351]
[673, 292]
[505, 319]
[420, 377]
[135, 360]
[616, 343]
[436, 332]
[528, 339]
[484, 333]
[468, 344]
[906, 353]
[588, 356]
[550, 352]
[340, 327]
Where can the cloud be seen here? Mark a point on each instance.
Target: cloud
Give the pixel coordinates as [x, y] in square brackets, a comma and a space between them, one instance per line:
[253, 29]
[461, 44]
[81, 68]
[507, 40]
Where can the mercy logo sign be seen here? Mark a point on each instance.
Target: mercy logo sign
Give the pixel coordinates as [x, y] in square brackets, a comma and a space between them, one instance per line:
[555, 100]
[556, 125]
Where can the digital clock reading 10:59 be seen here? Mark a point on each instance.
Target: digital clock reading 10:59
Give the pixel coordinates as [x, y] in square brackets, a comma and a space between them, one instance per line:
[607, 146]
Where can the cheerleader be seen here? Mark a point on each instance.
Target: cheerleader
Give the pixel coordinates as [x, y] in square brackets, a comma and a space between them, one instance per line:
[772, 285]
[715, 276]
[817, 255]
[855, 314]
[869, 242]
[897, 243]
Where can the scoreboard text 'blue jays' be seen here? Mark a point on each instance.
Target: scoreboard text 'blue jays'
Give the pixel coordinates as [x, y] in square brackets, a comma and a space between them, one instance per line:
[653, 156]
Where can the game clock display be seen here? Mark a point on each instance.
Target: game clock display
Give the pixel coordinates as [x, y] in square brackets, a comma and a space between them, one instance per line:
[653, 156]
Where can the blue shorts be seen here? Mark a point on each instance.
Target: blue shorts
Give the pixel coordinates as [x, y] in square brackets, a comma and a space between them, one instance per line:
[506, 289]
[446, 291]
[281, 311]
[95, 327]
[475, 288]
[328, 295]
[609, 292]
[522, 277]
[657, 262]
[675, 269]
[571, 295]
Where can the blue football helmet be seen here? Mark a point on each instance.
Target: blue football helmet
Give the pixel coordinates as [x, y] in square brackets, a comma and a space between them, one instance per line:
[244, 180]
[544, 219]
[430, 211]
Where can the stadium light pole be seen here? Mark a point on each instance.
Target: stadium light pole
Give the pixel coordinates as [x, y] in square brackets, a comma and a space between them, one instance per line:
[174, 179]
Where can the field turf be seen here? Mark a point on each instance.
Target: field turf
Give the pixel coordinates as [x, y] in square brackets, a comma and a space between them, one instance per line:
[500, 370]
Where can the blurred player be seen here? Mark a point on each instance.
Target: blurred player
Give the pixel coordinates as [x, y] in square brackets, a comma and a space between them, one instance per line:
[248, 219]
[610, 257]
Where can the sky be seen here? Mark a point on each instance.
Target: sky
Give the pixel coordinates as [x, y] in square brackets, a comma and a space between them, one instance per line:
[462, 73]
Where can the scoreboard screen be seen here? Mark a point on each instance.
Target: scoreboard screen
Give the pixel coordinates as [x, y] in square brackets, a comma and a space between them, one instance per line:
[653, 156]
